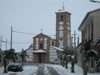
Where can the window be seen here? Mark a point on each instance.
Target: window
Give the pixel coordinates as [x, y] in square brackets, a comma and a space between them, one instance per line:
[60, 35]
[89, 31]
[68, 28]
[36, 42]
[41, 39]
[61, 28]
[36, 47]
[41, 46]
[68, 18]
[61, 43]
[37, 39]
[68, 40]
[60, 23]
[45, 47]
[68, 23]
[61, 46]
[45, 42]
[45, 39]
[61, 18]
[53, 43]
[61, 40]
[61, 32]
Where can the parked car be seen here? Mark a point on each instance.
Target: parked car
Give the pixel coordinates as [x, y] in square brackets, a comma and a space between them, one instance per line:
[15, 66]
[55, 61]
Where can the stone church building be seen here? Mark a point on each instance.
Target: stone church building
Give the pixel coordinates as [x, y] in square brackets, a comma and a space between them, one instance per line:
[45, 49]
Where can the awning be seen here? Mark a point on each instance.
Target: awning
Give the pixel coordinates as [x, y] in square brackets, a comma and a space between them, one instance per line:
[39, 51]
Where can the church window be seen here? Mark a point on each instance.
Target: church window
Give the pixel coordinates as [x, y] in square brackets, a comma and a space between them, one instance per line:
[61, 18]
[41, 46]
[61, 32]
[41, 39]
[61, 28]
[37, 39]
[60, 23]
[45, 39]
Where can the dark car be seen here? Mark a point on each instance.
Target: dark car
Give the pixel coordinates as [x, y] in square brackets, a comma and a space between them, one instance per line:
[15, 66]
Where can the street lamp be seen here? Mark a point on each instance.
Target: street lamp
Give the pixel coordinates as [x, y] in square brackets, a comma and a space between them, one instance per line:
[94, 1]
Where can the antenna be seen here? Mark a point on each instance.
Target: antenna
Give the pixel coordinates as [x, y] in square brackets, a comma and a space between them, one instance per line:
[63, 6]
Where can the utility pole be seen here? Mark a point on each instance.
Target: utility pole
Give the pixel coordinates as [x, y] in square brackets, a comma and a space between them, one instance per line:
[74, 39]
[6, 44]
[11, 38]
[78, 40]
[0, 42]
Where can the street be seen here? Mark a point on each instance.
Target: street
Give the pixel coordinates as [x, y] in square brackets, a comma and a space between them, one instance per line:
[47, 69]
[36, 69]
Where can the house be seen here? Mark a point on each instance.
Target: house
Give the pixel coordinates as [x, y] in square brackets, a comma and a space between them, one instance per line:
[90, 30]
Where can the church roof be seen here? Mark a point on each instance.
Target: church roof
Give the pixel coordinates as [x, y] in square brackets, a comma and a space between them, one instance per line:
[42, 34]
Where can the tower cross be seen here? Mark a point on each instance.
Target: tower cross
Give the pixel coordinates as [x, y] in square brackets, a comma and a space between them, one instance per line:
[41, 30]
[63, 6]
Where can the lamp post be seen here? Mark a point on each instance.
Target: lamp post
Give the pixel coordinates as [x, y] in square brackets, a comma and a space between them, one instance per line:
[94, 1]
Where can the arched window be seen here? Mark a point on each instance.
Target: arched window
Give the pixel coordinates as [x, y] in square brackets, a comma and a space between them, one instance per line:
[61, 18]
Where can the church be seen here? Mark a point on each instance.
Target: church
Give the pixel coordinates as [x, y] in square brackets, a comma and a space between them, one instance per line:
[45, 49]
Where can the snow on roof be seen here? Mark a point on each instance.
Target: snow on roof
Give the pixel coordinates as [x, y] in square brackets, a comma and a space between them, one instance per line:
[39, 51]
[94, 51]
[53, 38]
[63, 11]
[57, 48]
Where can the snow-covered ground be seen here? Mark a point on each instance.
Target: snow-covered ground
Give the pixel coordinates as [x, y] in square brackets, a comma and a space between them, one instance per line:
[78, 70]
[27, 70]
[47, 68]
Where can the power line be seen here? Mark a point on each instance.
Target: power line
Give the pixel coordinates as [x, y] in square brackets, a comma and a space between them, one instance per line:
[21, 42]
[24, 33]
[29, 33]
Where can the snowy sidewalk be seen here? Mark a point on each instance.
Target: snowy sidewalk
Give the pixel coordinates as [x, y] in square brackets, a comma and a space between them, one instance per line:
[78, 70]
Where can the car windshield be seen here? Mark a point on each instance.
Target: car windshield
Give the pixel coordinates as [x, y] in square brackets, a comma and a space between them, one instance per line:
[16, 61]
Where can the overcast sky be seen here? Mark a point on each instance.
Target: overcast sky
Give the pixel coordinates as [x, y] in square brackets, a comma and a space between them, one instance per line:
[33, 15]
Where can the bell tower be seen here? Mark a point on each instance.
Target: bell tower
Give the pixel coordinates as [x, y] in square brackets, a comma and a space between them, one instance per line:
[63, 28]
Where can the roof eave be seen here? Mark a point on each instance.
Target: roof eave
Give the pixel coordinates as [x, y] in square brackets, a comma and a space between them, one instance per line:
[79, 28]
